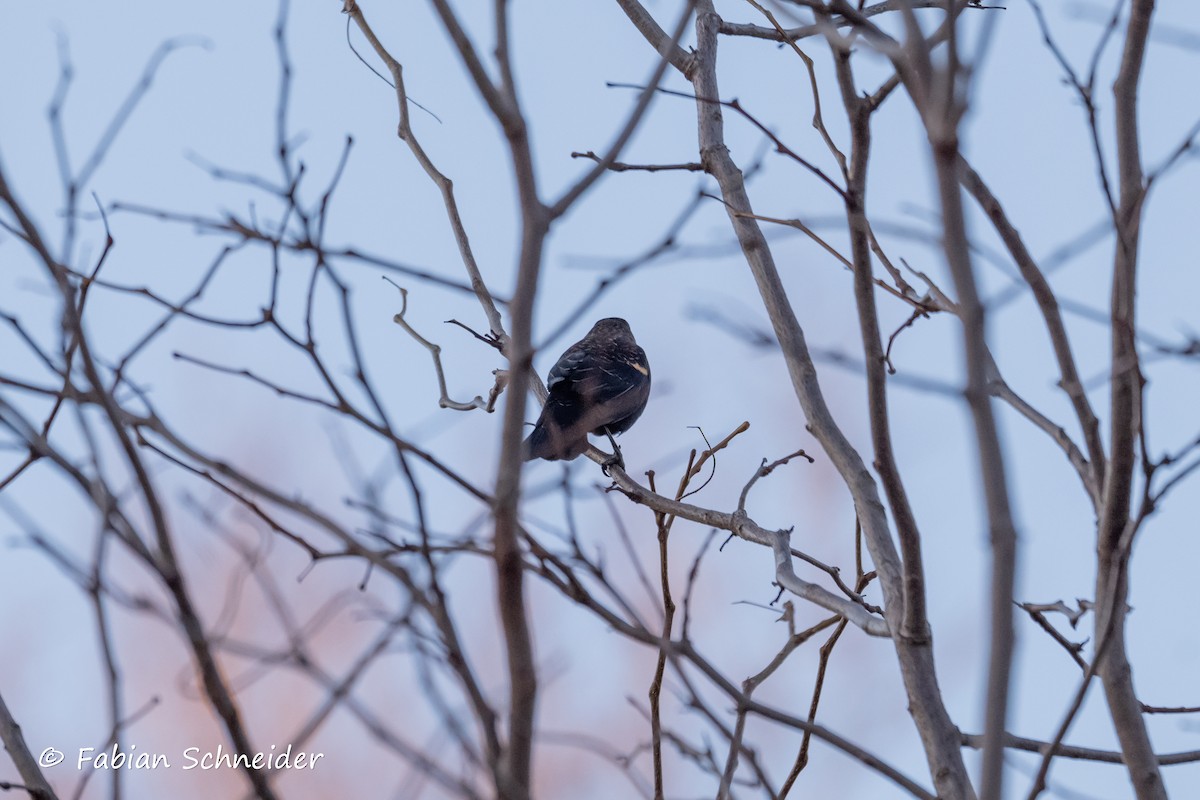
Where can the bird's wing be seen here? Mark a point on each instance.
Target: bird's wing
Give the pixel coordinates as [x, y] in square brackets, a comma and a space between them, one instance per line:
[570, 368]
[614, 392]
[611, 383]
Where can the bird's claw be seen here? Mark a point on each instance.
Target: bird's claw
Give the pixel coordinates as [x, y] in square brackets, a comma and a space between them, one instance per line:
[614, 460]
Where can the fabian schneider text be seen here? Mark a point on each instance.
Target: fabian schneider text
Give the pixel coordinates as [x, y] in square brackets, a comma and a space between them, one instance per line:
[196, 758]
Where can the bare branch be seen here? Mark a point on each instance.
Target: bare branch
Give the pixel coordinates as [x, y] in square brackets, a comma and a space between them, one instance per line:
[1082, 753]
[18, 751]
[435, 351]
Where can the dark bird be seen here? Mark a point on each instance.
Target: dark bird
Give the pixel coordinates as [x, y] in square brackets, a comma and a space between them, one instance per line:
[599, 385]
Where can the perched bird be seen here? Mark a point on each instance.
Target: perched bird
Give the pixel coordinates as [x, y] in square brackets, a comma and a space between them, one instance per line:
[599, 385]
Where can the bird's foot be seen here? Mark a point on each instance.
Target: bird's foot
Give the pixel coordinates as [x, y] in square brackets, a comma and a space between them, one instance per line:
[616, 459]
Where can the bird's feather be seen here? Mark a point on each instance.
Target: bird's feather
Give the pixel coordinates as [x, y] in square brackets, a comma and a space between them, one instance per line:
[599, 385]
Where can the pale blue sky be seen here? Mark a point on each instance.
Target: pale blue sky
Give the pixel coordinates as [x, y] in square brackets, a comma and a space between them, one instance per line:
[1025, 135]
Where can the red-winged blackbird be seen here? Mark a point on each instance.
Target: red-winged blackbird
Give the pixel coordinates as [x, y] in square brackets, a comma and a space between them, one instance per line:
[599, 385]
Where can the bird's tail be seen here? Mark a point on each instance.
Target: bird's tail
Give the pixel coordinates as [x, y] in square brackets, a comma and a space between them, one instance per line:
[538, 443]
[553, 444]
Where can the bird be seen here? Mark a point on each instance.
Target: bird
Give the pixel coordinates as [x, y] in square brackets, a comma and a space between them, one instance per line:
[599, 385]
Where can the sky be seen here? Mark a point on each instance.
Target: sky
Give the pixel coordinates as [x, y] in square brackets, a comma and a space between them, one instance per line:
[213, 101]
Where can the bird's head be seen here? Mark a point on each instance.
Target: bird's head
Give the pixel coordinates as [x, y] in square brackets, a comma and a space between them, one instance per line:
[611, 328]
